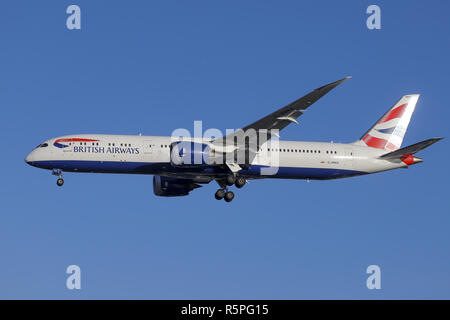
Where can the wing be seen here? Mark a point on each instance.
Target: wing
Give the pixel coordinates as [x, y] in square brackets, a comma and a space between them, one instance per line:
[289, 114]
[282, 117]
[273, 123]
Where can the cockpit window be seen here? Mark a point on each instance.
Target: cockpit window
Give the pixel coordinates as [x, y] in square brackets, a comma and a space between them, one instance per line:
[43, 145]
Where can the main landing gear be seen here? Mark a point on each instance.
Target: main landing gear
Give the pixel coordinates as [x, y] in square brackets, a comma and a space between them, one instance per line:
[58, 172]
[228, 196]
[223, 192]
[240, 182]
[230, 179]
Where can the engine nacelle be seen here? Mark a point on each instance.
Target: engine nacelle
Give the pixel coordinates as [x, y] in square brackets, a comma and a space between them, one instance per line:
[191, 154]
[172, 187]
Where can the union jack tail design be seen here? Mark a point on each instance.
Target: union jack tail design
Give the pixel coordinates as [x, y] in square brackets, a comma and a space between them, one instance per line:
[389, 131]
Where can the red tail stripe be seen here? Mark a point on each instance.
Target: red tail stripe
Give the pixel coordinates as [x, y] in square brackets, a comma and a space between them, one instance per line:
[374, 142]
[393, 114]
[391, 147]
[378, 143]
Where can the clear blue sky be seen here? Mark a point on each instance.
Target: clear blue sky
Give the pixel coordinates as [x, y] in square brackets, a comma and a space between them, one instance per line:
[150, 67]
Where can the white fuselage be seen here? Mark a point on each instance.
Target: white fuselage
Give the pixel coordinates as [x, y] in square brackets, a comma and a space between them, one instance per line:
[151, 155]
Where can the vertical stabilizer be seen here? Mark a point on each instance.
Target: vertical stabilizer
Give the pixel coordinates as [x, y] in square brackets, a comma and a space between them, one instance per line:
[389, 131]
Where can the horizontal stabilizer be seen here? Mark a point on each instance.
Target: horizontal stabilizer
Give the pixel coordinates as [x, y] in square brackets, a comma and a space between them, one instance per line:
[409, 150]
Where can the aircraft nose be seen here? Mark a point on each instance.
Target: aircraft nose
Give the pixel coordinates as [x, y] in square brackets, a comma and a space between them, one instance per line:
[29, 158]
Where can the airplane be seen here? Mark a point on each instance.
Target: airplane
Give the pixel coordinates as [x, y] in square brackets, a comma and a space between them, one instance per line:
[182, 164]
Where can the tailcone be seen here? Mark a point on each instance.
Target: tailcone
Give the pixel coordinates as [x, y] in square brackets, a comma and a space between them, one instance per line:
[417, 160]
[409, 159]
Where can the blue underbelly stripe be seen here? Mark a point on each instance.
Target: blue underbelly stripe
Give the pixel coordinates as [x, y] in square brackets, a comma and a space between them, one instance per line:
[155, 168]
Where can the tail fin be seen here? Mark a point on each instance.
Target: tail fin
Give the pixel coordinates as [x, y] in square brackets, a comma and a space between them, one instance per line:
[389, 131]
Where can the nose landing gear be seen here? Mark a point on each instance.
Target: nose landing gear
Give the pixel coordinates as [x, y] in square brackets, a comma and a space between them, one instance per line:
[58, 172]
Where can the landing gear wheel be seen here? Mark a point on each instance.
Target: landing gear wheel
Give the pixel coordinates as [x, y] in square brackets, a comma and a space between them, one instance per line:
[220, 194]
[230, 180]
[60, 182]
[240, 182]
[229, 196]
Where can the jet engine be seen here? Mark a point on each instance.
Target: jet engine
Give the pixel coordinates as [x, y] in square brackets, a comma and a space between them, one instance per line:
[172, 187]
[191, 154]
